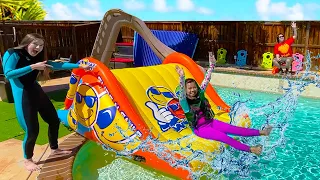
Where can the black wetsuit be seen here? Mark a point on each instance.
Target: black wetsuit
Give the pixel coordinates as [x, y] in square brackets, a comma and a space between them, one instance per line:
[30, 98]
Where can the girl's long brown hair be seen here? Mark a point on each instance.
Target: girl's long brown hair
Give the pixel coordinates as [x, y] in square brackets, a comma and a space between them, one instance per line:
[42, 56]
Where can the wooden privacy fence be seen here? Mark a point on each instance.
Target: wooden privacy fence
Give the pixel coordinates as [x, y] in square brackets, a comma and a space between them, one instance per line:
[62, 38]
[76, 38]
[255, 37]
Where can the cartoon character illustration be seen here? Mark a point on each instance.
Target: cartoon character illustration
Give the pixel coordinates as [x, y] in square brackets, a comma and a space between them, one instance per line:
[166, 108]
[112, 129]
[91, 112]
[87, 62]
[82, 113]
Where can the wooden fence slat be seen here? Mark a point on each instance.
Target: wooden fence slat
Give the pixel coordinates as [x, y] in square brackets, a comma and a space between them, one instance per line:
[75, 48]
[307, 39]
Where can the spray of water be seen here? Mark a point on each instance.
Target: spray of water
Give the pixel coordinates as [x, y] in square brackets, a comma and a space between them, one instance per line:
[125, 170]
[230, 162]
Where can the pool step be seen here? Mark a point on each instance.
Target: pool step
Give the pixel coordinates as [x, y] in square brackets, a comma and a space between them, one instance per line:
[60, 166]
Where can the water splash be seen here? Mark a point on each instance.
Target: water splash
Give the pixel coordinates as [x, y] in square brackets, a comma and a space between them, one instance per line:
[122, 169]
[230, 162]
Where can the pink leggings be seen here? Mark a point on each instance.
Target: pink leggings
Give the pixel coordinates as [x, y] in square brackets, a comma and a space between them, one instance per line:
[217, 130]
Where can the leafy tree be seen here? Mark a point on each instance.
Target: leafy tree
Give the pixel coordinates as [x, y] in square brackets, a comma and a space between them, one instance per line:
[7, 8]
[21, 10]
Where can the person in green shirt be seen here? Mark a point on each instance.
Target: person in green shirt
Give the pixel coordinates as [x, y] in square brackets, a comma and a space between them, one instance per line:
[201, 117]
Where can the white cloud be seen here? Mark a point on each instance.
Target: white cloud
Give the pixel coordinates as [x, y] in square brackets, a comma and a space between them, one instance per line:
[133, 4]
[92, 8]
[161, 6]
[60, 11]
[185, 5]
[267, 9]
[203, 10]
[188, 5]
[262, 8]
[281, 11]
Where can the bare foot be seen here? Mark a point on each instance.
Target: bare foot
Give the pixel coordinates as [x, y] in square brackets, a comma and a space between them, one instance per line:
[256, 149]
[266, 131]
[30, 165]
[60, 152]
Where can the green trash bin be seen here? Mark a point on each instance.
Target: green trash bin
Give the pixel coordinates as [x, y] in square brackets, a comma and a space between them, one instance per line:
[221, 56]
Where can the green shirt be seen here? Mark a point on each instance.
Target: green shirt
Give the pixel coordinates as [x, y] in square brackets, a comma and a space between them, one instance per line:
[190, 107]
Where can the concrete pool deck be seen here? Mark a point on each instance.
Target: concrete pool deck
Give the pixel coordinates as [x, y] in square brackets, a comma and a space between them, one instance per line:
[263, 81]
[11, 159]
[11, 156]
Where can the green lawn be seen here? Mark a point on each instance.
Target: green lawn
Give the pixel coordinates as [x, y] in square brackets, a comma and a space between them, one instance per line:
[10, 127]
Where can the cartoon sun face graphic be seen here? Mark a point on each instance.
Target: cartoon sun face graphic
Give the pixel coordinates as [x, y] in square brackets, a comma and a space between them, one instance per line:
[160, 95]
[94, 115]
[85, 106]
[112, 129]
[84, 61]
[164, 97]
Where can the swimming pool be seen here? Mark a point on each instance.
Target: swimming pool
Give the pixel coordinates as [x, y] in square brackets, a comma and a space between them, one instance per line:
[93, 162]
[299, 159]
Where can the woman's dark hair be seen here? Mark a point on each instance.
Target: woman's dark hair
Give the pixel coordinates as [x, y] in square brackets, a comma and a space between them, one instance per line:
[278, 37]
[29, 38]
[190, 80]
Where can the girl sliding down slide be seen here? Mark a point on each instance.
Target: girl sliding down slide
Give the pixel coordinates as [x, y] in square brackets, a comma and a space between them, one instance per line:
[21, 66]
[201, 118]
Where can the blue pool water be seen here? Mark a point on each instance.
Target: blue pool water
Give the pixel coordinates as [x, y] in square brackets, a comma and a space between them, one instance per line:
[299, 158]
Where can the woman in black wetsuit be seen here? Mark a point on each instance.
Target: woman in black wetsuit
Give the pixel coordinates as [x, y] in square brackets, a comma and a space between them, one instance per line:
[21, 66]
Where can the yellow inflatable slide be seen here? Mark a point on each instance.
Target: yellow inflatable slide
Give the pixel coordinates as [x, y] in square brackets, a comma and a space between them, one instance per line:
[120, 108]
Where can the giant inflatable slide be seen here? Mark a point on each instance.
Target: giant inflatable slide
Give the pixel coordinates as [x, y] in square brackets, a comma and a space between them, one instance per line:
[121, 108]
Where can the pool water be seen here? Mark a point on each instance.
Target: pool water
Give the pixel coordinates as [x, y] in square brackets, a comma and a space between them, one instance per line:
[93, 162]
[300, 158]
[296, 154]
